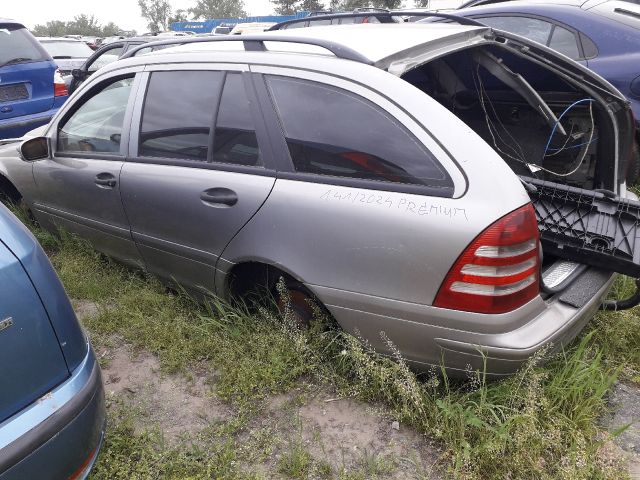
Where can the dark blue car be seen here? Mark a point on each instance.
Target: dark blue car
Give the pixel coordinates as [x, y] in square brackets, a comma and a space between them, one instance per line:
[52, 410]
[603, 35]
[31, 89]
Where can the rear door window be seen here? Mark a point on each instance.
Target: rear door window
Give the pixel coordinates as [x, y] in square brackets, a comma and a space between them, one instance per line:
[17, 45]
[178, 114]
[235, 139]
[330, 131]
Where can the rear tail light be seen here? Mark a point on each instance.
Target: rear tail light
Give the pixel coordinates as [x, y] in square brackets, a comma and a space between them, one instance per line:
[59, 87]
[499, 271]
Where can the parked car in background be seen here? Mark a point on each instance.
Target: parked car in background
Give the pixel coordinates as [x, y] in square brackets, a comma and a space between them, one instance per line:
[362, 170]
[67, 53]
[52, 412]
[223, 29]
[603, 35]
[92, 42]
[250, 27]
[31, 89]
[105, 55]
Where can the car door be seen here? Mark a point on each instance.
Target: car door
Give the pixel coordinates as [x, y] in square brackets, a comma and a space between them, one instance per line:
[99, 59]
[78, 187]
[198, 171]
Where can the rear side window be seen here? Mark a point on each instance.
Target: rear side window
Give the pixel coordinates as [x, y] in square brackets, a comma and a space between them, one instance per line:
[178, 114]
[531, 28]
[181, 109]
[332, 132]
[17, 45]
[564, 42]
[96, 127]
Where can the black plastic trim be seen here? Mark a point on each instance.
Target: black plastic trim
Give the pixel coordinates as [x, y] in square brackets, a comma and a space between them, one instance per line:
[228, 167]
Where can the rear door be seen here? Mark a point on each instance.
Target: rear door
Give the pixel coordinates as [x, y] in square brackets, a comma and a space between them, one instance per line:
[198, 171]
[30, 356]
[26, 73]
[78, 188]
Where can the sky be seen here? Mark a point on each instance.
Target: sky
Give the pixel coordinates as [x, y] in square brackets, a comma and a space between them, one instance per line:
[124, 13]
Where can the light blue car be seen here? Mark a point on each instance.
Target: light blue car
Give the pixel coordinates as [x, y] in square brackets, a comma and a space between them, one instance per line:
[52, 413]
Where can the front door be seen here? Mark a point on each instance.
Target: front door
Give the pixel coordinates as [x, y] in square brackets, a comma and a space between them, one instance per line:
[78, 188]
[198, 175]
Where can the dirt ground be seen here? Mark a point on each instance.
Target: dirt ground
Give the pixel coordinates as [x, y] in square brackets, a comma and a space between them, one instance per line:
[342, 432]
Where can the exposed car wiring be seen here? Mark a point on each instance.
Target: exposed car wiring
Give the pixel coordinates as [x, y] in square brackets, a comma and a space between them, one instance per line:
[555, 126]
[477, 81]
[584, 152]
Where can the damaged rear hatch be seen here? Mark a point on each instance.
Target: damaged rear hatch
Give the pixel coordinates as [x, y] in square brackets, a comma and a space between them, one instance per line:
[566, 132]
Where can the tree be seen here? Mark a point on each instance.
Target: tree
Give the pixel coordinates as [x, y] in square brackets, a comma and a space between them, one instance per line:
[285, 7]
[80, 25]
[53, 28]
[423, 3]
[157, 13]
[209, 9]
[310, 6]
[110, 29]
[388, 4]
[84, 25]
[178, 16]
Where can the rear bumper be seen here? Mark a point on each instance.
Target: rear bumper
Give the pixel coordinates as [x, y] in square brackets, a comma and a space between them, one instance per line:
[428, 336]
[59, 436]
[18, 126]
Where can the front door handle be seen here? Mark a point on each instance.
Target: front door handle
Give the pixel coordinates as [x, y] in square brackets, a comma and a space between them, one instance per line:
[219, 197]
[105, 180]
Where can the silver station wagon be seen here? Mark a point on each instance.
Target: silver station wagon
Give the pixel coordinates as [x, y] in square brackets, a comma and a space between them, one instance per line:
[393, 173]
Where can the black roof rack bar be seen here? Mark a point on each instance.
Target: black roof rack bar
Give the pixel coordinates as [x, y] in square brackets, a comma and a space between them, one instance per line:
[254, 43]
[385, 15]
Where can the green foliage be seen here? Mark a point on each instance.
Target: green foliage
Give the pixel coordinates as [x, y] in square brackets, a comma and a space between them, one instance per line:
[211, 9]
[80, 25]
[157, 13]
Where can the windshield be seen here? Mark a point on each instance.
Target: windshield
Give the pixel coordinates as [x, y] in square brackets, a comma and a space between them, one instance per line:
[65, 49]
[17, 45]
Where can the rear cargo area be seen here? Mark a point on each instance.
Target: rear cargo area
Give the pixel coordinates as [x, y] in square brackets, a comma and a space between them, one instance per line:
[541, 124]
[560, 139]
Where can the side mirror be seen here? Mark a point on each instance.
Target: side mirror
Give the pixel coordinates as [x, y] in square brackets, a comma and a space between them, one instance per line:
[35, 149]
[78, 74]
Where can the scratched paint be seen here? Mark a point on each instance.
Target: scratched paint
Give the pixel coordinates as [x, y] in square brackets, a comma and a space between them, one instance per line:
[401, 203]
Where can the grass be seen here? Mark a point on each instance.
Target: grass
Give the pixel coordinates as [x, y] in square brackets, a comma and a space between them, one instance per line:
[541, 423]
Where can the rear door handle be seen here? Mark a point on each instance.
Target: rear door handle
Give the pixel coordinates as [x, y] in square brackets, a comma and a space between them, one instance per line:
[219, 197]
[105, 180]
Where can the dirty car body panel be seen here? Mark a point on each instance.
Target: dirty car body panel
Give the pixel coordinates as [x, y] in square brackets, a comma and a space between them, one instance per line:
[52, 404]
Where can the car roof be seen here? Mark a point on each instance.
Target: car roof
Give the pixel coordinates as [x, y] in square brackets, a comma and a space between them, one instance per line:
[59, 39]
[364, 39]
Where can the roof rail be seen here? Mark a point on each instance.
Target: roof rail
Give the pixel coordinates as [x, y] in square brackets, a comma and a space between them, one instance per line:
[255, 43]
[385, 16]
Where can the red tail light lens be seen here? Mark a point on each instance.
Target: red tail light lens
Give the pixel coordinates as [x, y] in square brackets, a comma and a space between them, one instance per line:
[59, 87]
[499, 271]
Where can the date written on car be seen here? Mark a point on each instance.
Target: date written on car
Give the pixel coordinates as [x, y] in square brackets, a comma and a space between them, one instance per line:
[404, 204]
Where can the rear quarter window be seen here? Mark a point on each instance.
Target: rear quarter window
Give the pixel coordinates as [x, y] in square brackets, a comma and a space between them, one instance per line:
[332, 132]
[17, 45]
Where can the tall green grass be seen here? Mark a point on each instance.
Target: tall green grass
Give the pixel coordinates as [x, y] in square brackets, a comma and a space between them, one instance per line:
[540, 423]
